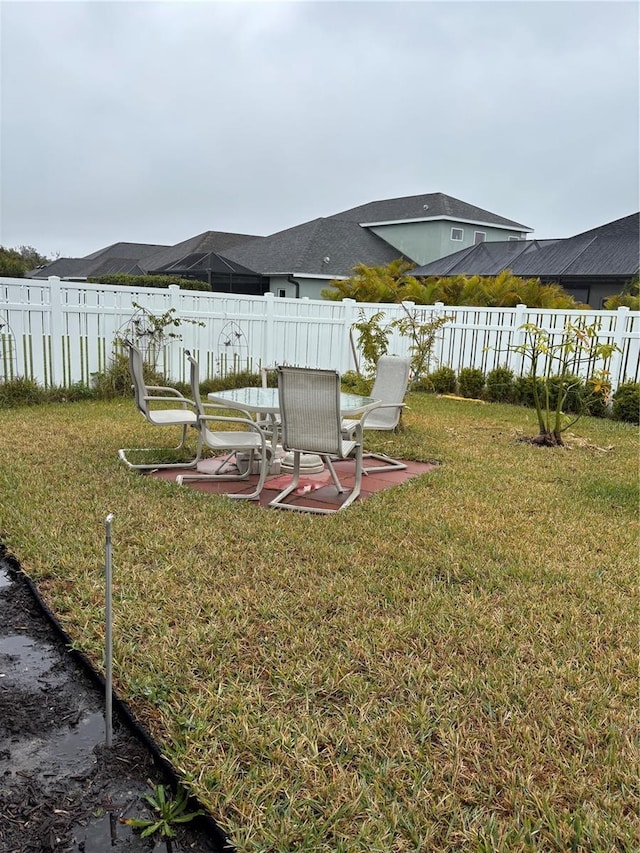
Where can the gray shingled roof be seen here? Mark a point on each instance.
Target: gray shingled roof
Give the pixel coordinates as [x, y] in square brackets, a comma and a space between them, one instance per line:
[125, 250]
[430, 205]
[304, 248]
[208, 241]
[609, 250]
[201, 262]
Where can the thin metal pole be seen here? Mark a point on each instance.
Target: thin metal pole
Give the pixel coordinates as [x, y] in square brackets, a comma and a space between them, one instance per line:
[108, 656]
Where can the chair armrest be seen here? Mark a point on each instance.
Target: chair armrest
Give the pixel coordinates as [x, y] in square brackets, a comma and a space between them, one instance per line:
[377, 406]
[185, 401]
[172, 391]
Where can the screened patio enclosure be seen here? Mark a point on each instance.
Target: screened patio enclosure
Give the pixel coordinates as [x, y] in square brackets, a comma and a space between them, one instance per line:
[222, 275]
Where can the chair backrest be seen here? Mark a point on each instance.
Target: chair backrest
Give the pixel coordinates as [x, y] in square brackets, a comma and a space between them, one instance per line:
[137, 377]
[310, 410]
[194, 379]
[390, 387]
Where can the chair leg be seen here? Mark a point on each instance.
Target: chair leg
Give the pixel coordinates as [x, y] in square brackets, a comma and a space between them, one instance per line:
[161, 466]
[279, 503]
[390, 464]
[263, 468]
[334, 476]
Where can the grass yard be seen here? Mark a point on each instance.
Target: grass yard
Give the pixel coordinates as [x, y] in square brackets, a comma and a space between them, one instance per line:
[448, 666]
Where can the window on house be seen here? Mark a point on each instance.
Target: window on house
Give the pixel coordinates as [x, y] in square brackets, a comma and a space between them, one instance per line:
[457, 234]
[513, 239]
[479, 237]
[282, 293]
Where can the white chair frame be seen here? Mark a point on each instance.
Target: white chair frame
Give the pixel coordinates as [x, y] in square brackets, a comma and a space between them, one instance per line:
[147, 397]
[311, 424]
[251, 440]
[389, 387]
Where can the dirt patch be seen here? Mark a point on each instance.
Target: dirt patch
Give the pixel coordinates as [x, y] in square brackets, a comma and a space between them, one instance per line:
[61, 788]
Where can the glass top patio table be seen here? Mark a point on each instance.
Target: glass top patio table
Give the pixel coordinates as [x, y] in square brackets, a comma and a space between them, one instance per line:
[265, 401]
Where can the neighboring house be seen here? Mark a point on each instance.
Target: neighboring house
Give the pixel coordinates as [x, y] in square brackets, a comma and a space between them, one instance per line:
[591, 266]
[301, 261]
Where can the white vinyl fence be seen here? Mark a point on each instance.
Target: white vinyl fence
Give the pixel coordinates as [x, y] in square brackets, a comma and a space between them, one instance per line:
[60, 333]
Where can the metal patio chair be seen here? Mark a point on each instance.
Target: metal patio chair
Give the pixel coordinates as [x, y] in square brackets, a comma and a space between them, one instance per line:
[389, 387]
[250, 440]
[311, 424]
[176, 411]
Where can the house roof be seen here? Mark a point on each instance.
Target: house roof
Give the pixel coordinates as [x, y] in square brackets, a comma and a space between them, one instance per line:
[322, 247]
[125, 250]
[421, 207]
[204, 262]
[612, 249]
[208, 241]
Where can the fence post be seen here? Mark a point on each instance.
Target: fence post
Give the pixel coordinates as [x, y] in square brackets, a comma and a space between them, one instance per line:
[517, 358]
[268, 356]
[348, 318]
[438, 345]
[56, 332]
[617, 338]
[170, 352]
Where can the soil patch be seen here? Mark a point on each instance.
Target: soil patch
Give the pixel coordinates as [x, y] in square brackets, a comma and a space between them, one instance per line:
[61, 788]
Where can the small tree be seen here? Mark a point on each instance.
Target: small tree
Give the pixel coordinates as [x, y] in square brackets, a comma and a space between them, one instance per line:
[552, 367]
[373, 338]
[422, 334]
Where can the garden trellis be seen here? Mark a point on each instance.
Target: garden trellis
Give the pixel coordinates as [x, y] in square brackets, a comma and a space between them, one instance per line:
[62, 332]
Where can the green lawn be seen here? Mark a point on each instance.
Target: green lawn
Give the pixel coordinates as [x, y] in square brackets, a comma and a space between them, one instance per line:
[450, 665]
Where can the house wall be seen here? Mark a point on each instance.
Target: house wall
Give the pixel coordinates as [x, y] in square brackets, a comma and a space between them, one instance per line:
[428, 241]
[309, 288]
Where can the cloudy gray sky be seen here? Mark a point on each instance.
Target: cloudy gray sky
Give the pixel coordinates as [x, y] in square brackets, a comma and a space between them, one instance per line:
[155, 121]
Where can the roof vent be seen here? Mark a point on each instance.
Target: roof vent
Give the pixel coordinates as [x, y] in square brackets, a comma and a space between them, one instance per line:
[326, 259]
[425, 207]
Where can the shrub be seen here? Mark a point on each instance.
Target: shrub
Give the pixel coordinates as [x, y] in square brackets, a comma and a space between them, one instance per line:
[499, 385]
[523, 390]
[626, 402]
[76, 392]
[470, 382]
[21, 392]
[355, 383]
[115, 381]
[423, 385]
[443, 380]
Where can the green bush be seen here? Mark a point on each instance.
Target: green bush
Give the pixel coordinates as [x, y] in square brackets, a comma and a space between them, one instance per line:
[76, 392]
[21, 392]
[354, 383]
[162, 281]
[470, 382]
[443, 380]
[523, 390]
[423, 385]
[626, 402]
[499, 385]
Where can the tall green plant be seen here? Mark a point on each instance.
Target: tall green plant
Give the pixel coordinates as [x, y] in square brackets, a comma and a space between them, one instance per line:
[422, 334]
[373, 340]
[552, 368]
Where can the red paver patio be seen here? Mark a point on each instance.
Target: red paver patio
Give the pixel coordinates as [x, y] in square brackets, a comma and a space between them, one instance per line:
[317, 489]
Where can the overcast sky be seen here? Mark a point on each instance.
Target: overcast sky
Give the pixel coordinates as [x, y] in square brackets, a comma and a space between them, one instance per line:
[154, 121]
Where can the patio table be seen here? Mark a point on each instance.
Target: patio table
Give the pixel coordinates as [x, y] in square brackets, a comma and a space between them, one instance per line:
[265, 401]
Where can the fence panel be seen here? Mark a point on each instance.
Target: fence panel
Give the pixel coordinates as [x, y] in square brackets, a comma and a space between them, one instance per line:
[58, 332]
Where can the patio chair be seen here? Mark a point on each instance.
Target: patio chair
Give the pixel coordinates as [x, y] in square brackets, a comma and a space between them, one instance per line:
[311, 424]
[181, 413]
[389, 387]
[249, 441]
